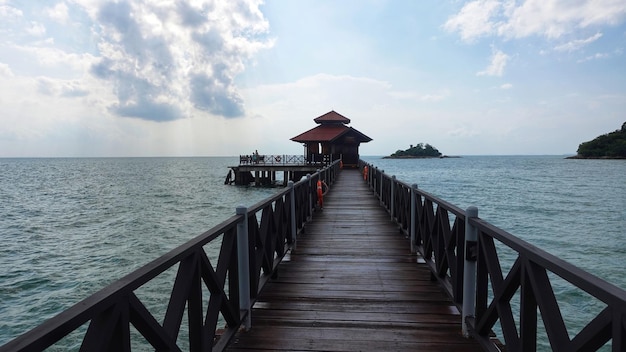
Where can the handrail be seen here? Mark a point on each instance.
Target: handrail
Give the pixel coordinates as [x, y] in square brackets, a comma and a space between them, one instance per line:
[441, 242]
[111, 311]
[285, 159]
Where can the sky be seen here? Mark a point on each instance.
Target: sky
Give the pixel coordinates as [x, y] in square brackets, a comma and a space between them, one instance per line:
[100, 78]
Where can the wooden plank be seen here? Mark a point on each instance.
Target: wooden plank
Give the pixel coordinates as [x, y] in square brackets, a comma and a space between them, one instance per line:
[353, 285]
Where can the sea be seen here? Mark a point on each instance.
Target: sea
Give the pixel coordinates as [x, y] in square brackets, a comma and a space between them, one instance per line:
[70, 226]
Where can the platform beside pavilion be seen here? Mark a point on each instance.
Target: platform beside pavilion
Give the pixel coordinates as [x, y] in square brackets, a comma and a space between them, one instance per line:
[274, 170]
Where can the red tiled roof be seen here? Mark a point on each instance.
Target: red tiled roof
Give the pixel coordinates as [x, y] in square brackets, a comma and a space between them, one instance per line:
[322, 133]
[332, 117]
[328, 133]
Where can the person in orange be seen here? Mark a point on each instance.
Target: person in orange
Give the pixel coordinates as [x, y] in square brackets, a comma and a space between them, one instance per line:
[321, 193]
[365, 172]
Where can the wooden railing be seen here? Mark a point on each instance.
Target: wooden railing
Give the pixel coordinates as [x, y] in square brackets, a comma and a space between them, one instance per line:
[462, 252]
[253, 242]
[284, 159]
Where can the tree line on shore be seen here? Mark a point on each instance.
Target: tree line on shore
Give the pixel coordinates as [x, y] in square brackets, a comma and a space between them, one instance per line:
[610, 145]
[420, 150]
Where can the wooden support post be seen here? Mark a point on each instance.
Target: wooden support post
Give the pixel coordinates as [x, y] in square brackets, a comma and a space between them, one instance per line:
[243, 266]
[469, 270]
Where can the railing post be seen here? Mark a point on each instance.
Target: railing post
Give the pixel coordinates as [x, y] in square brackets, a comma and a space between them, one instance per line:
[326, 172]
[243, 266]
[292, 211]
[391, 197]
[373, 171]
[380, 191]
[308, 177]
[413, 208]
[469, 270]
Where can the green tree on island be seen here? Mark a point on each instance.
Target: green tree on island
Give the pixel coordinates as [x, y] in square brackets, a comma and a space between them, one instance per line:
[610, 145]
[420, 150]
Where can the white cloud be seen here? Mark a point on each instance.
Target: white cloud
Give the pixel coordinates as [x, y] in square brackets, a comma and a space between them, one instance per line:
[434, 97]
[9, 12]
[61, 88]
[595, 57]
[577, 44]
[506, 86]
[36, 29]
[496, 67]
[417, 96]
[546, 18]
[169, 59]
[5, 70]
[59, 12]
[162, 60]
[474, 19]
[554, 18]
[169, 62]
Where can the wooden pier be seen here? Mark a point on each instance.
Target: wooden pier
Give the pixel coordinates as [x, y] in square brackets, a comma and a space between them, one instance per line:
[352, 284]
[343, 279]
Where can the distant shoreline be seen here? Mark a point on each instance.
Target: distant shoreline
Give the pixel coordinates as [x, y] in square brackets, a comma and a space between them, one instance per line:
[597, 157]
[420, 157]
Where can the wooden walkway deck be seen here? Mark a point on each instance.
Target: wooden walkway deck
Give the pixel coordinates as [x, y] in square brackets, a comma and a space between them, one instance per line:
[353, 285]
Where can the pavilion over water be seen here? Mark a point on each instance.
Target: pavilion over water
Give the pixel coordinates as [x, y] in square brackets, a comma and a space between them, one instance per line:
[331, 140]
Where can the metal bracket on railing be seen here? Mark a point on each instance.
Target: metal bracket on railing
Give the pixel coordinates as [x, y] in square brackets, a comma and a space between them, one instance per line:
[471, 251]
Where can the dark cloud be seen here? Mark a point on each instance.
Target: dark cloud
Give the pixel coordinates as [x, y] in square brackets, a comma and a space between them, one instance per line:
[162, 60]
[146, 49]
[207, 94]
[118, 16]
[142, 54]
[190, 16]
[45, 87]
[148, 110]
[137, 96]
[211, 41]
[103, 69]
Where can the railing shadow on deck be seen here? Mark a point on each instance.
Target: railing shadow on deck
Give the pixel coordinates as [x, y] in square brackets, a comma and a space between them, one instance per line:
[232, 282]
[455, 244]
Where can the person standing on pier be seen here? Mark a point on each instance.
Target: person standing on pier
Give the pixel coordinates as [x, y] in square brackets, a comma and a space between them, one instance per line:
[255, 156]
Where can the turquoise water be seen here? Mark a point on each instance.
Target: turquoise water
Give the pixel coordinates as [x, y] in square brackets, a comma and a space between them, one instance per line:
[574, 209]
[70, 226]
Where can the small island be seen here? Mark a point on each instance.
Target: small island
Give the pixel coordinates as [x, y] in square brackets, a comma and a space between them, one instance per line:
[420, 150]
[607, 146]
